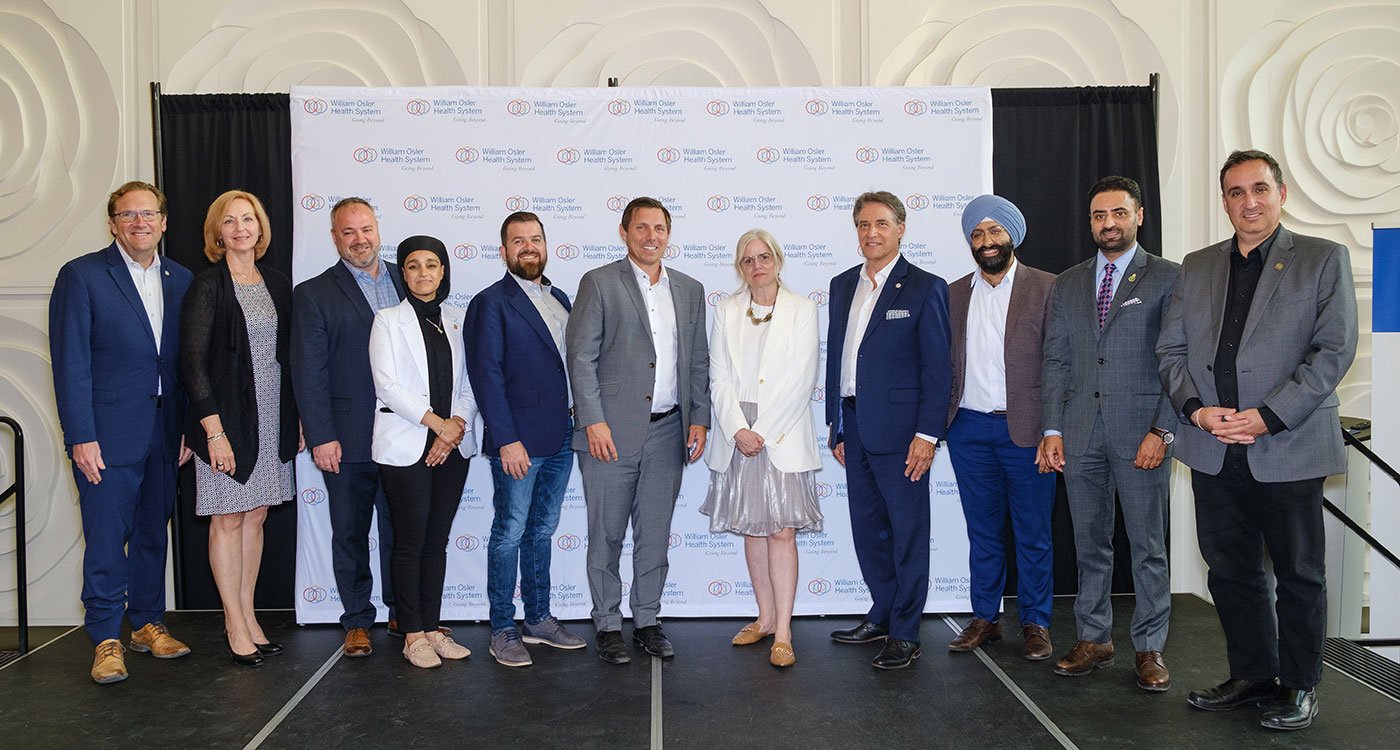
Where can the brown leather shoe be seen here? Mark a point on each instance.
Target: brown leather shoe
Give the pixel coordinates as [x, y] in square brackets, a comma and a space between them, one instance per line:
[1084, 658]
[1038, 646]
[108, 663]
[976, 633]
[155, 640]
[1152, 674]
[357, 643]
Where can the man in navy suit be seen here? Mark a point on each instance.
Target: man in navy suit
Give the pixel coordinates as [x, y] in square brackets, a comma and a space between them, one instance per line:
[888, 385]
[515, 358]
[331, 318]
[114, 321]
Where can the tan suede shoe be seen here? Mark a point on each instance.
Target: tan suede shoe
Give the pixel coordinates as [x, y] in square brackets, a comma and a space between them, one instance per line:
[420, 654]
[155, 640]
[108, 663]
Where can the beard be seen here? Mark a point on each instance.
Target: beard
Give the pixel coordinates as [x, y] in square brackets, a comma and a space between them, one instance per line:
[994, 264]
[528, 270]
[1125, 239]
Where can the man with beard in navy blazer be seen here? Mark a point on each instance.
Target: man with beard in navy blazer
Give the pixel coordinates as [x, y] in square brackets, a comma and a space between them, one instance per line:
[515, 357]
[888, 385]
[114, 335]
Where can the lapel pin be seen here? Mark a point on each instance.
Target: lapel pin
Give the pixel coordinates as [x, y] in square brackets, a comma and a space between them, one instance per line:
[1132, 278]
[1278, 266]
[167, 273]
[898, 285]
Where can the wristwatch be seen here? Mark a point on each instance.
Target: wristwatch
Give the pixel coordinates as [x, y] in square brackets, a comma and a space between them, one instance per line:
[1167, 437]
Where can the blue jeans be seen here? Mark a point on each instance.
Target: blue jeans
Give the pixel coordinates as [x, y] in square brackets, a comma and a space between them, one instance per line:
[527, 512]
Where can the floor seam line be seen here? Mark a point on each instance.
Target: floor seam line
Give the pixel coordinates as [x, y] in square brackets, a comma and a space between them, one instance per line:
[656, 740]
[1018, 693]
[292, 702]
[39, 648]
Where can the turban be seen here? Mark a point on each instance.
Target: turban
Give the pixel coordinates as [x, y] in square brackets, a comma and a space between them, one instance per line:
[998, 209]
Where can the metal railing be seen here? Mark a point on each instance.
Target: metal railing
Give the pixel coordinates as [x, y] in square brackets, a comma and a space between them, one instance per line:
[21, 575]
[1355, 432]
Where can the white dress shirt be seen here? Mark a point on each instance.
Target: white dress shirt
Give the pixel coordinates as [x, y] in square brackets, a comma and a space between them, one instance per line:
[149, 289]
[867, 292]
[984, 368]
[752, 340]
[665, 338]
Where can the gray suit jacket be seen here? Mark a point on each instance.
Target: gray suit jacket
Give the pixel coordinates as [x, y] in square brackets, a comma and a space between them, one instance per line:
[612, 363]
[1113, 371]
[1025, 335]
[1299, 340]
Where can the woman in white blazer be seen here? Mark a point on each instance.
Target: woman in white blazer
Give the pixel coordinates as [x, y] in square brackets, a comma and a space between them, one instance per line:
[763, 457]
[422, 440]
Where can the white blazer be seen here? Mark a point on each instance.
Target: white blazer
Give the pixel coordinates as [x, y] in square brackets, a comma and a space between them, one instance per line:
[787, 375]
[398, 360]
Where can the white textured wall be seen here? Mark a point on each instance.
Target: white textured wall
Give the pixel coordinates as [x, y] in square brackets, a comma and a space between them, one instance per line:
[1315, 82]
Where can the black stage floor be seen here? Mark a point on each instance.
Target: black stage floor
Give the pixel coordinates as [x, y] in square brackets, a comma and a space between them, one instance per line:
[711, 695]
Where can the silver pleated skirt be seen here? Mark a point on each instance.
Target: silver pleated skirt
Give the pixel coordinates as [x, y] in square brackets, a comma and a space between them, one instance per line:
[753, 498]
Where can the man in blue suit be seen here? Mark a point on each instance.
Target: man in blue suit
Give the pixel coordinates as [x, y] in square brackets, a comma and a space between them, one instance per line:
[331, 318]
[888, 385]
[114, 321]
[515, 358]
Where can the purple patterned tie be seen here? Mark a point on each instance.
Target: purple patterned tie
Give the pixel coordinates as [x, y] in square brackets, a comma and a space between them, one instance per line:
[1105, 294]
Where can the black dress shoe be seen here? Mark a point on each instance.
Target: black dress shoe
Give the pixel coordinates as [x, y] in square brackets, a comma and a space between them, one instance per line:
[651, 640]
[897, 654]
[254, 659]
[611, 649]
[1232, 694]
[865, 632]
[1293, 709]
[269, 648]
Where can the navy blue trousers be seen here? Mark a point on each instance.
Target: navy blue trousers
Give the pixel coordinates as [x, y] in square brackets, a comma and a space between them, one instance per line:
[890, 529]
[124, 529]
[355, 495]
[997, 478]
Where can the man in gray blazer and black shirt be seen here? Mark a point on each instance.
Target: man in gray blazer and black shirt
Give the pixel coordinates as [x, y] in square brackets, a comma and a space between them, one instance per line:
[1108, 425]
[1261, 329]
[639, 368]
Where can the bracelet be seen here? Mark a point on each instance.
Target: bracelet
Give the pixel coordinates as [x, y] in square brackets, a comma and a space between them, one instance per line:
[216, 436]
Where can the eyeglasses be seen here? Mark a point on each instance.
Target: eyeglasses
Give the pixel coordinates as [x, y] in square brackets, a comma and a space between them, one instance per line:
[994, 232]
[126, 217]
[761, 258]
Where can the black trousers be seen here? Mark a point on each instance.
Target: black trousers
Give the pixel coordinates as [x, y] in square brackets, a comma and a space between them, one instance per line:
[1238, 520]
[422, 501]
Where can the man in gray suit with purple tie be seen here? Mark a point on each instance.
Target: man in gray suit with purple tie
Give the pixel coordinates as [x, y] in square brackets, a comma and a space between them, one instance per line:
[1108, 425]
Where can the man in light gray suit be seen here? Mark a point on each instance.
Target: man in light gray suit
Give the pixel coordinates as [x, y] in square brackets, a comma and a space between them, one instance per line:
[1260, 330]
[1108, 425]
[639, 369]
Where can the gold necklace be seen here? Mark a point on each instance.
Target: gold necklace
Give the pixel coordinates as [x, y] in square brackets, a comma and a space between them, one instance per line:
[244, 276]
[435, 325]
[760, 321]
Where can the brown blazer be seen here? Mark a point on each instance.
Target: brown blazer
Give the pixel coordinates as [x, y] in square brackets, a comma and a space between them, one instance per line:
[1025, 335]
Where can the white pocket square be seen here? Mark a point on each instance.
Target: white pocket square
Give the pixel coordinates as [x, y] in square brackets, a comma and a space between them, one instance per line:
[1133, 301]
[896, 314]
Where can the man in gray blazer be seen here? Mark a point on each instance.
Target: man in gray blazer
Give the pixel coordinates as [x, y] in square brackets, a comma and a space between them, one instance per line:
[1260, 330]
[1108, 425]
[639, 369]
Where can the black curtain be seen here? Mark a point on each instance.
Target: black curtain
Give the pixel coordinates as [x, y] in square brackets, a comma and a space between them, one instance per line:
[1049, 147]
[209, 144]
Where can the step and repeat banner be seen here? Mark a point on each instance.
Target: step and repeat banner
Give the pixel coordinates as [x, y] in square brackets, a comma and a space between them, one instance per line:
[453, 162]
